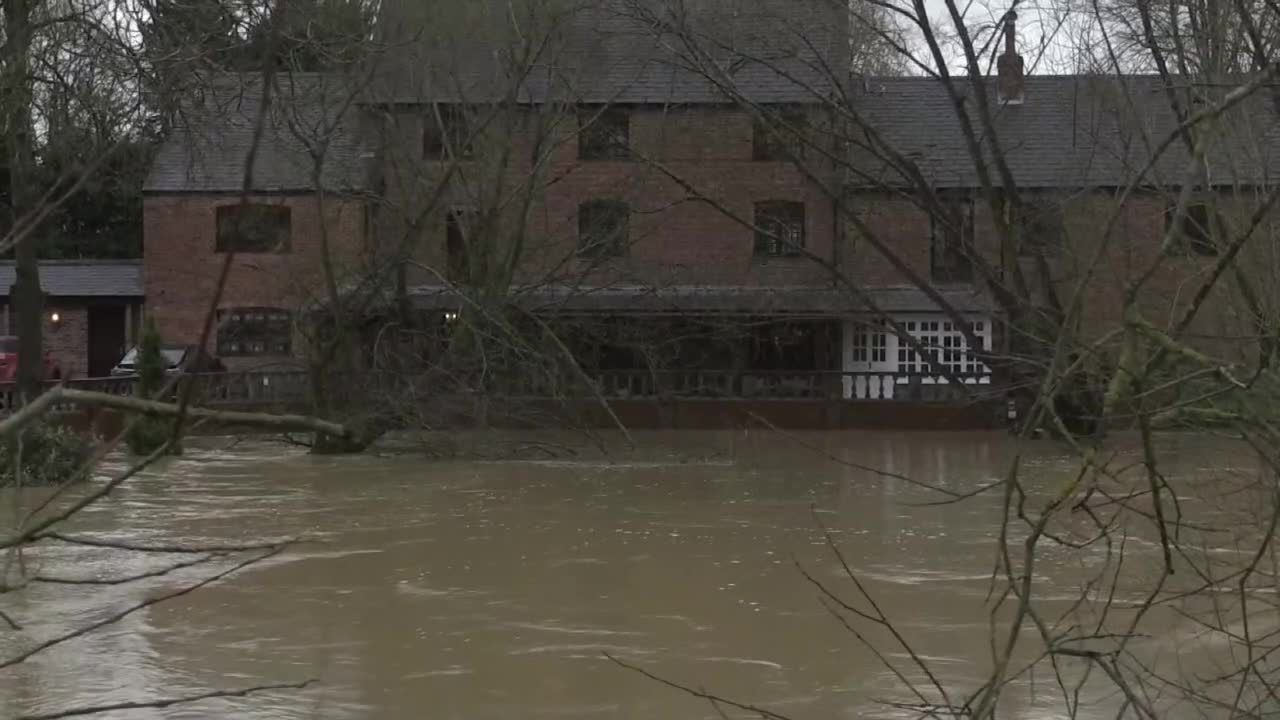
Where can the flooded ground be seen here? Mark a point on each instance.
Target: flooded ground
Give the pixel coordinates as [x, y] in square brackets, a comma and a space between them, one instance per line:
[494, 589]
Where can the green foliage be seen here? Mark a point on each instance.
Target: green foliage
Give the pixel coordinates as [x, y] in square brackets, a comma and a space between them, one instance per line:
[51, 455]
[151, 363]
[183, 37]
[103, 219]
[147, 434]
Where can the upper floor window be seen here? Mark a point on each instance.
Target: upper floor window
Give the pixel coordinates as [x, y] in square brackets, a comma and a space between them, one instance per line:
[779, 228]
[254, 331]
[951, 241]
[253, 228]
[1041, 227]
[447, 130]
[602, 228]
[779, 134]
[604, 134]
[1200, 224]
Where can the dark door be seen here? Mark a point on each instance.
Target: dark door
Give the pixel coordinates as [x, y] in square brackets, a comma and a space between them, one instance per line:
[106, 338]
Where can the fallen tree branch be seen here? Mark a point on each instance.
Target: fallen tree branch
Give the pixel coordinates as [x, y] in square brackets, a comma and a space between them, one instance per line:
[29, 413]
[159, 548]
[152, 407]
[121, 580]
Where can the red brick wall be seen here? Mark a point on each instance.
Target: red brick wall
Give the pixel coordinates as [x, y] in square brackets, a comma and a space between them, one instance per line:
[895, 222]
[1131, 248]
[181, 265]
[692, 192]
[67, 341]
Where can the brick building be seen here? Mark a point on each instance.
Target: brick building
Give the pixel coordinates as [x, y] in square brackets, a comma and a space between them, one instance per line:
[616, 179]
[1096, 200]
[692, 219]
[196, 215]
[92, 314]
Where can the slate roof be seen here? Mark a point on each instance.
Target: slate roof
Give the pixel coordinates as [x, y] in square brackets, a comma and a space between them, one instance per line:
[83, 278]
[730, 300]
[598, 51]
[208, 150]
[1071, 131]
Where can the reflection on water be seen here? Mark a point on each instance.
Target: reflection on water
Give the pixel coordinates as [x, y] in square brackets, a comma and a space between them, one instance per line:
[493, 589]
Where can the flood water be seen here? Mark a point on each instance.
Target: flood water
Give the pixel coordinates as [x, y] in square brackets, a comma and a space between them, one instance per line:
[494, 589]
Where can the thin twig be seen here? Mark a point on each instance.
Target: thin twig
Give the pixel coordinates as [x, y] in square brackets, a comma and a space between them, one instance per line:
[167, 702]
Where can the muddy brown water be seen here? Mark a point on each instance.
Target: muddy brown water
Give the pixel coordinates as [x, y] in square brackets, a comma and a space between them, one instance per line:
[494, 589]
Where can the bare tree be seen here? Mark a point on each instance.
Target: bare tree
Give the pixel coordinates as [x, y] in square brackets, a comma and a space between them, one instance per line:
[41, 75]
[1089, 347]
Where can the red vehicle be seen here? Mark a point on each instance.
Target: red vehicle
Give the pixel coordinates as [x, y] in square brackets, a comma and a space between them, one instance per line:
[9, 361]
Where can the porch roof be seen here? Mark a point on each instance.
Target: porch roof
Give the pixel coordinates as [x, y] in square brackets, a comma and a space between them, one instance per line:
[82, 278]
[805, 301]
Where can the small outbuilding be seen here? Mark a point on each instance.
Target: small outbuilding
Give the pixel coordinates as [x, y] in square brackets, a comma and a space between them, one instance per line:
[92, 313]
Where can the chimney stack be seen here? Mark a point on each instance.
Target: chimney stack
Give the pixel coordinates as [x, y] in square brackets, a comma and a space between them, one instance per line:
[1010, 86]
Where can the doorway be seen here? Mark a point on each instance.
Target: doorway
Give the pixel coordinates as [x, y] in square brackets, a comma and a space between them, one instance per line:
[106, 338]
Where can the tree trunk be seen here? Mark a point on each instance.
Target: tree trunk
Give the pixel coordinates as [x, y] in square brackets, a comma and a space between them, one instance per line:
[25, 295]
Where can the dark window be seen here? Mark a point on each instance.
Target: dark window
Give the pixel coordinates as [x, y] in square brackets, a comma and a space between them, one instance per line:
[460, 224]
[951, 241]
[1199, 225]
[784, 346]
[1044, 229]
[602, 228]
[253, 228]
[251, 331]
[779, 228]
[779, 135]
[604, 134]
[447, 129]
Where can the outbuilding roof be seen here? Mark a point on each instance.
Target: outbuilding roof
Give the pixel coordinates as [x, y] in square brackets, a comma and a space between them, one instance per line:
[83, 278]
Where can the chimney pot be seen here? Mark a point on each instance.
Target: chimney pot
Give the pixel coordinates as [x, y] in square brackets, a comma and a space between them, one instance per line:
[1010, 84]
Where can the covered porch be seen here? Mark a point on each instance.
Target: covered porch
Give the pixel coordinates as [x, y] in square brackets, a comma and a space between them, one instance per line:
[752, 343]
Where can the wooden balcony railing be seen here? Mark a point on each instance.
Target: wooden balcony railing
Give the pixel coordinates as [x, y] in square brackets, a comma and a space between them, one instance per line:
[291, 388]
[211, 389]
[785, 384]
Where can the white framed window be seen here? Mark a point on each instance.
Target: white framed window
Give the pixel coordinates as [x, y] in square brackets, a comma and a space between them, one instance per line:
[944, 343]
[859, 351]
[879, 345]
[869, 343]
[908, 359]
